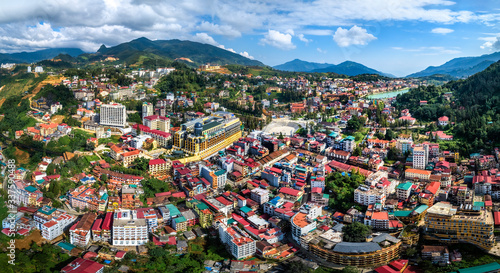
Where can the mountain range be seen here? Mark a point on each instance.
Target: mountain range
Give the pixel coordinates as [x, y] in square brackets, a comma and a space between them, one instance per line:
[36, 56]
[348, 68]
[460, 67]
[140, 49]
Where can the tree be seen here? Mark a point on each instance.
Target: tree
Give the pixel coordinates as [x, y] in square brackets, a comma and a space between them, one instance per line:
[297, 267]
[357, 151]
[104, 177]
[228, 187]
[356, 232]
[280, 136]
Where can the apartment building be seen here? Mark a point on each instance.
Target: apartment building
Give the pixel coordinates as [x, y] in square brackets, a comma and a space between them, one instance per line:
[128, 229]
[156, 122]
[215, 175]
[52, 222]
[421, 175]
[147, 110]
[303, 221]
[444, 222]
[239, 243]
[80, 233]
[403, 190]
[420, 157]
[160, 167]
[259, 195]
[113, 114]
[80, 265]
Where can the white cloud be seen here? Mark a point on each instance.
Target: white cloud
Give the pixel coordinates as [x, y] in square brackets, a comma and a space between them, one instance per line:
[207, 39]
[430, 50]
[354, 36]
[303, 39]
[93, 22]
[492, 43]
[321, 50]
[441, 30]
[278, 40]
[245, 54]
[224, 30]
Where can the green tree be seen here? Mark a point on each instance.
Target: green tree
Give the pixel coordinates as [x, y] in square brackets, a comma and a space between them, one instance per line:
[356, 232]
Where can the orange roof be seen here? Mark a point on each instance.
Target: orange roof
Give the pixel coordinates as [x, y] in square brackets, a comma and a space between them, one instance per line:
[116, 149]
[134, 152]
[48, 126]
[417, 171]
[300, 220]
[380, 215]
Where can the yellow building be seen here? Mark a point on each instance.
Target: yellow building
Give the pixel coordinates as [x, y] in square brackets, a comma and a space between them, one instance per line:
[448, 224]
[205, 136]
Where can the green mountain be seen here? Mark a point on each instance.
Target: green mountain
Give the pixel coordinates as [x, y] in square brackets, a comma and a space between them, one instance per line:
[460, 67]
[36, 56]
[300, 66]
[198, 53]
[350, 69]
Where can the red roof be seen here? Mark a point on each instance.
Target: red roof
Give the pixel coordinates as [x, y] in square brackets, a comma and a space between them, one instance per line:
[433, 187]
[97, 224]
[106, 225]
[223, 201]
[496, 215]
[80, 265]
[156, 161]
[289, 191]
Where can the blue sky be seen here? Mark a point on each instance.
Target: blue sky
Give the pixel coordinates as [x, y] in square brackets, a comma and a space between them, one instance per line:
[393, 36]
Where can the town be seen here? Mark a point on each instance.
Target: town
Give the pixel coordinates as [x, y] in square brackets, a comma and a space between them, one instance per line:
[215, 169]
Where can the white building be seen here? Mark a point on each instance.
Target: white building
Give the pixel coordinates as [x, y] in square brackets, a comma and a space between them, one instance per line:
[113, 114]
[29, 69]
[303, 221]
[138, 141]
[240, 244]
[155, 122]
[38, 69]
[128, 230]
[259, 195]
[147, 110]
[420, 155]
[80, 233]
[56, 225]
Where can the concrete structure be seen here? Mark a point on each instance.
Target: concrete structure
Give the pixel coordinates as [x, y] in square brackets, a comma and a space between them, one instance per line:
[147, 110]
[128, 229]
[79, 233]
[468, 224]
[114, 115]
[259, 195]
[205, 136]
[420, 157]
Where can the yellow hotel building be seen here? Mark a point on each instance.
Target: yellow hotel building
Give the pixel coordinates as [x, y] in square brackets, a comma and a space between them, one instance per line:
[469, 224]
[205, 136]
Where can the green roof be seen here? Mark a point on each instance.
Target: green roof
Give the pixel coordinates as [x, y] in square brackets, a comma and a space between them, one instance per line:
[220, 172]
[174, 211]
[478, 204]
[246, 209]
[210, 125]
[201, 206]
[327, 196]
[402, 213]
[420, 209]
[230, 221]
[349, 138]
[481, 269]
[30, 188]
[40, 181]
[180, 219]
[66, 246]
[405, 186]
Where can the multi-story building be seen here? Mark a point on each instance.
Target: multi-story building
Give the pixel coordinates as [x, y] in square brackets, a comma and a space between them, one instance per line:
[79, 233]
[348, 144]
[404, 143]
[215, 175]
[240, 244]
[421, 175]
[113, 114]
[52, 222]
[128, 229]
[159, 167]
[259, 195]
[420, 157]
[206, 217]
[403, 190]
[205, 136]
[450, 224]
[303, 221]
[437, 254]
[156, 122]
[84, 197]
[147, 110]
[101, 230]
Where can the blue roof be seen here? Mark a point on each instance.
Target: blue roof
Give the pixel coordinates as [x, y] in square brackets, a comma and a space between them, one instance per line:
[275, 200]
[333, 134]
[30, 188]
[66, 246]
[104, 196]
[420, 209]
